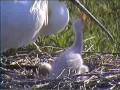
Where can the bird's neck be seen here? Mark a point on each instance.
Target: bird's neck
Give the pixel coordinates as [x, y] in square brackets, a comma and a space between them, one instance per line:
[78, 43]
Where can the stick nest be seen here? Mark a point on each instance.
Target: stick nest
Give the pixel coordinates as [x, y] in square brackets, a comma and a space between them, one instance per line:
[23, 70]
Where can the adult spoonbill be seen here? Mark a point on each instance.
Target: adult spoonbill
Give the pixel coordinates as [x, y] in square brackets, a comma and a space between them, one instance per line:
[58, 16]
[21, 21]
[71, 59]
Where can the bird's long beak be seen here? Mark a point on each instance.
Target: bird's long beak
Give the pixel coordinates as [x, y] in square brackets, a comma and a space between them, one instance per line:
[82, 7]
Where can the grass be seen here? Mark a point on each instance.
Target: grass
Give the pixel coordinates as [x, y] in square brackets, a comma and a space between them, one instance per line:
[95, 40]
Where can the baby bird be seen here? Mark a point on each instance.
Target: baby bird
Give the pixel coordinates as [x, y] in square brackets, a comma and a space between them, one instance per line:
[45, 69]
[70, 62]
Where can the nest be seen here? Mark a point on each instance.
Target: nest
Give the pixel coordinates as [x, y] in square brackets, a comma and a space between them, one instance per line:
[23, 70]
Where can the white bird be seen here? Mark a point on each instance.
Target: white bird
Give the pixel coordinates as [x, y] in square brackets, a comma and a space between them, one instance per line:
[21, 21]
[81, 70]
[58, 16]
[71, 59]
[45, 69]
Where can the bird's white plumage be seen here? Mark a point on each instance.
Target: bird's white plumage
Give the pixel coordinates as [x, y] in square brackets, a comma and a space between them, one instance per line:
[67, 61]
[22, 20]
[81, 70]
[71, 58]
[58, 15]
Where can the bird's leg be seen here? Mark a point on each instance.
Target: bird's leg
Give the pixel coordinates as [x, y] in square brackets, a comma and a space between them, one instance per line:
[51, 60]
[37, 47]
